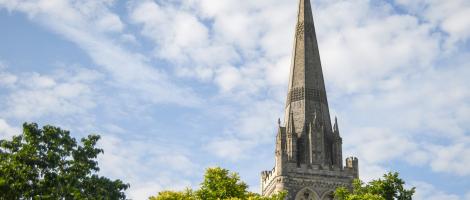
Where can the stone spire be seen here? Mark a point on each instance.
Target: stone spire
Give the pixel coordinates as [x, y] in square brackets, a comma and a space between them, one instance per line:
[309, 159]
[306, 94]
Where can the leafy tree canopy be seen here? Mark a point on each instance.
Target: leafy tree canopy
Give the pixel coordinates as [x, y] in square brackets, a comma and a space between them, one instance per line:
[391, 187]
[48, 163]
[218, 184]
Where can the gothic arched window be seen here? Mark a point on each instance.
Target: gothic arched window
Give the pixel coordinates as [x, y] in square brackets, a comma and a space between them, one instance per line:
[306, 194]
[329, 196]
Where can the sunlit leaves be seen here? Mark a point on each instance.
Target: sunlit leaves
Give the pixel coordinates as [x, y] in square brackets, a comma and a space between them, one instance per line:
[391, 187]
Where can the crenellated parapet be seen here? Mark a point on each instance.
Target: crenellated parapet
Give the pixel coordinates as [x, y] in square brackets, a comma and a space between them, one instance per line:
[268, 180]
[352, 166]
[267, 175]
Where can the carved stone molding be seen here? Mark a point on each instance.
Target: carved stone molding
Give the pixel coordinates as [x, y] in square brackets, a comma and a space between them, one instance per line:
[298, 94]
[300, 31]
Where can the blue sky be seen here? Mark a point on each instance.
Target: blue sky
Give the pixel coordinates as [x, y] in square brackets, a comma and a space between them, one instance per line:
[176, 86]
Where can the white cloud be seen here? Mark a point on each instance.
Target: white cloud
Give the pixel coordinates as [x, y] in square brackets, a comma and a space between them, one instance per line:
[75, 21]
[228, 78]
[371, 171]
[110, 22]
[425, 108]
[254, 120]
[450, 159]
[426, 191]
[148, 167]
[36, 95]
[451, 17]
[178, 162]
[254, 124]
[143, 190]
[172, 30]
[219, 39]
[129, 38]
[6, 79]
[363, 45]
[6, 130]
[36, 81]
[147, 189]
[418, 157]
[378, 145]
[230, 149]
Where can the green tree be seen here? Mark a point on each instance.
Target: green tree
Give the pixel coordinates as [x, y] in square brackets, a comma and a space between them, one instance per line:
[218, 184]
[188, 194]
[48, 163]
[391, 187]
[221, 184]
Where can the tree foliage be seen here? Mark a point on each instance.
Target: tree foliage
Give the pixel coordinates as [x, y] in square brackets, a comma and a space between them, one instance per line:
[218, 184]
[48, 163]
[221, 184]
[391, 187]
[172, 195]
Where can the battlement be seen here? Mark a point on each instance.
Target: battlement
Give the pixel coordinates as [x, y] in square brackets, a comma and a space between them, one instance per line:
[266, 176]
[352, 163]
[317, 169]
[316, 176]
[352, 166]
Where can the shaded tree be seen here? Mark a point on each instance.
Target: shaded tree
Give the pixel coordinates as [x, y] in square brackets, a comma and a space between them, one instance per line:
[48, 163]
[391, 187]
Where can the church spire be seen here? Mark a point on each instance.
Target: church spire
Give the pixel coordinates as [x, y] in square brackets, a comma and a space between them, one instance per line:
[308, 149]
[306, 94]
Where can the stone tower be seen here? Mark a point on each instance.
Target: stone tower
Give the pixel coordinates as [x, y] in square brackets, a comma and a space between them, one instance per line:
[309, 160]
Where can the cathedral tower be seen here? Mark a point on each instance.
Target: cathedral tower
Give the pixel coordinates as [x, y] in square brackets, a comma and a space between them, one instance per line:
[309, 160]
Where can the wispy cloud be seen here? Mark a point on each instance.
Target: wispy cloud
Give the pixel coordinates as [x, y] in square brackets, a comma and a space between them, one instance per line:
[87, 24]
[64, 93]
